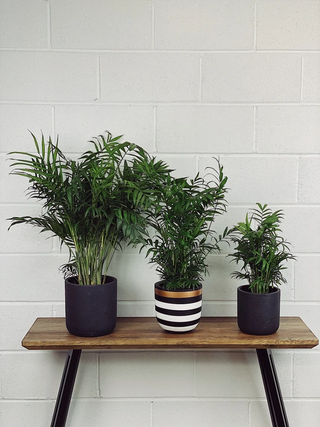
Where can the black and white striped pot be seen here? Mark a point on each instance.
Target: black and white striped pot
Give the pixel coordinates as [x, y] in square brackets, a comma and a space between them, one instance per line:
[179, 310]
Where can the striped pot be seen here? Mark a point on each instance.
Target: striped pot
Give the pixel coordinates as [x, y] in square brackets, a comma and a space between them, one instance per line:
[179, 310]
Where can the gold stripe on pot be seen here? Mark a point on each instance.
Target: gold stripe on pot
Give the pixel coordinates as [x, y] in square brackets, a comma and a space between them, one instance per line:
[172, 294]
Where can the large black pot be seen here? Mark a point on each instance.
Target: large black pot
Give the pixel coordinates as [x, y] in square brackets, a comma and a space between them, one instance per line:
[258, 314]
[91, 311]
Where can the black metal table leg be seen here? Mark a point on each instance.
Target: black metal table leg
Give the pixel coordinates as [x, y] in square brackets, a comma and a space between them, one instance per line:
[272, 388]
[61, 409]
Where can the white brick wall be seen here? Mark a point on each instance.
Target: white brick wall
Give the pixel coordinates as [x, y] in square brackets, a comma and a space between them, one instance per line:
[187, 80]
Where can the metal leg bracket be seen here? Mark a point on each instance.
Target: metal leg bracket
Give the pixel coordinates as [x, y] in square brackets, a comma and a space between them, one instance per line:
[272, 388]
[66, 388]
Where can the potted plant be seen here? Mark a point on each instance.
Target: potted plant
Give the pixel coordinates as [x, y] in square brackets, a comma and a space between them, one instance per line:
[93, 205]
[183, 237]
[263, 251]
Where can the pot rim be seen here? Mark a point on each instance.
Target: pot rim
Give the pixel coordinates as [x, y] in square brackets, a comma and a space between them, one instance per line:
[110, 279]
[245, 289]
[158, 285]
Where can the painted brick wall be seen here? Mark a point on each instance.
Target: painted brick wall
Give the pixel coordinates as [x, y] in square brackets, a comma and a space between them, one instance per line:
[187, 80]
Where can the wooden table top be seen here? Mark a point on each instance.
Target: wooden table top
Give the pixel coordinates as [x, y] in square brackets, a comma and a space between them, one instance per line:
[145, 333]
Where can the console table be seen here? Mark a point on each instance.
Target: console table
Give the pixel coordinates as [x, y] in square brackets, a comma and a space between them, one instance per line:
[145, 333]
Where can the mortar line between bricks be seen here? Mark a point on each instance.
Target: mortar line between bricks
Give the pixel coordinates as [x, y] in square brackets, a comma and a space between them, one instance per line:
[153, 29]
[255, 125]
[177, 399]
[99, 89]
[232, 351]
[58, 254]
[298, 179]
[292, 374]
[152, 400]
[230, 155]
[155, 51]
[1, 382]
[168, 103]
[99, 375]
[197, 163]
[48, 303]
[53, 121]
[41, 304]
[294, 282]
[27, 303]
[255, 26]
[151, 413]
[231, 205]
[54, 250]
[147, 399]
[249, 413]
[204, 155]
[155, 117]
[221, 254]
[194, 373]
[301, 78]
[49, 28]
[200, 79]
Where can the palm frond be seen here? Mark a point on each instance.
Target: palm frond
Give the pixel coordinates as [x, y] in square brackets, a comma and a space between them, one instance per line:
[93, 204]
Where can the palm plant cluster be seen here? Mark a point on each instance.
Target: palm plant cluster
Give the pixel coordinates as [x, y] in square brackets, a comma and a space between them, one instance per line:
[93, 204]
[182, 221]
[262, 250]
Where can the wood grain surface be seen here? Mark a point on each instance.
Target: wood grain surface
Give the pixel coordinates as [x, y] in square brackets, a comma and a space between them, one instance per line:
[145, 333]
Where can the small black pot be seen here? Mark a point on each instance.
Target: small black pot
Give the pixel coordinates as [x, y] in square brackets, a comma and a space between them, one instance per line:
[258, 314]
[91, 311]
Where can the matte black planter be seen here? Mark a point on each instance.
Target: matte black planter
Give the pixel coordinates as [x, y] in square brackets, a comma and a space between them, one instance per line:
[258, 314]
[179, 310]
[91, 311]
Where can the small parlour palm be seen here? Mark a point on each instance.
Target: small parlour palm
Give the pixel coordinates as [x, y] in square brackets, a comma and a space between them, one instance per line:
[182, 221]
[261, 249]
[93, 204]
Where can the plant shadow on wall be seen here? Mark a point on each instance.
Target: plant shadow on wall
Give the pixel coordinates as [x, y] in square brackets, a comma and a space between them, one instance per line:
[183, 238]
[93, 205]
[262, 251]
